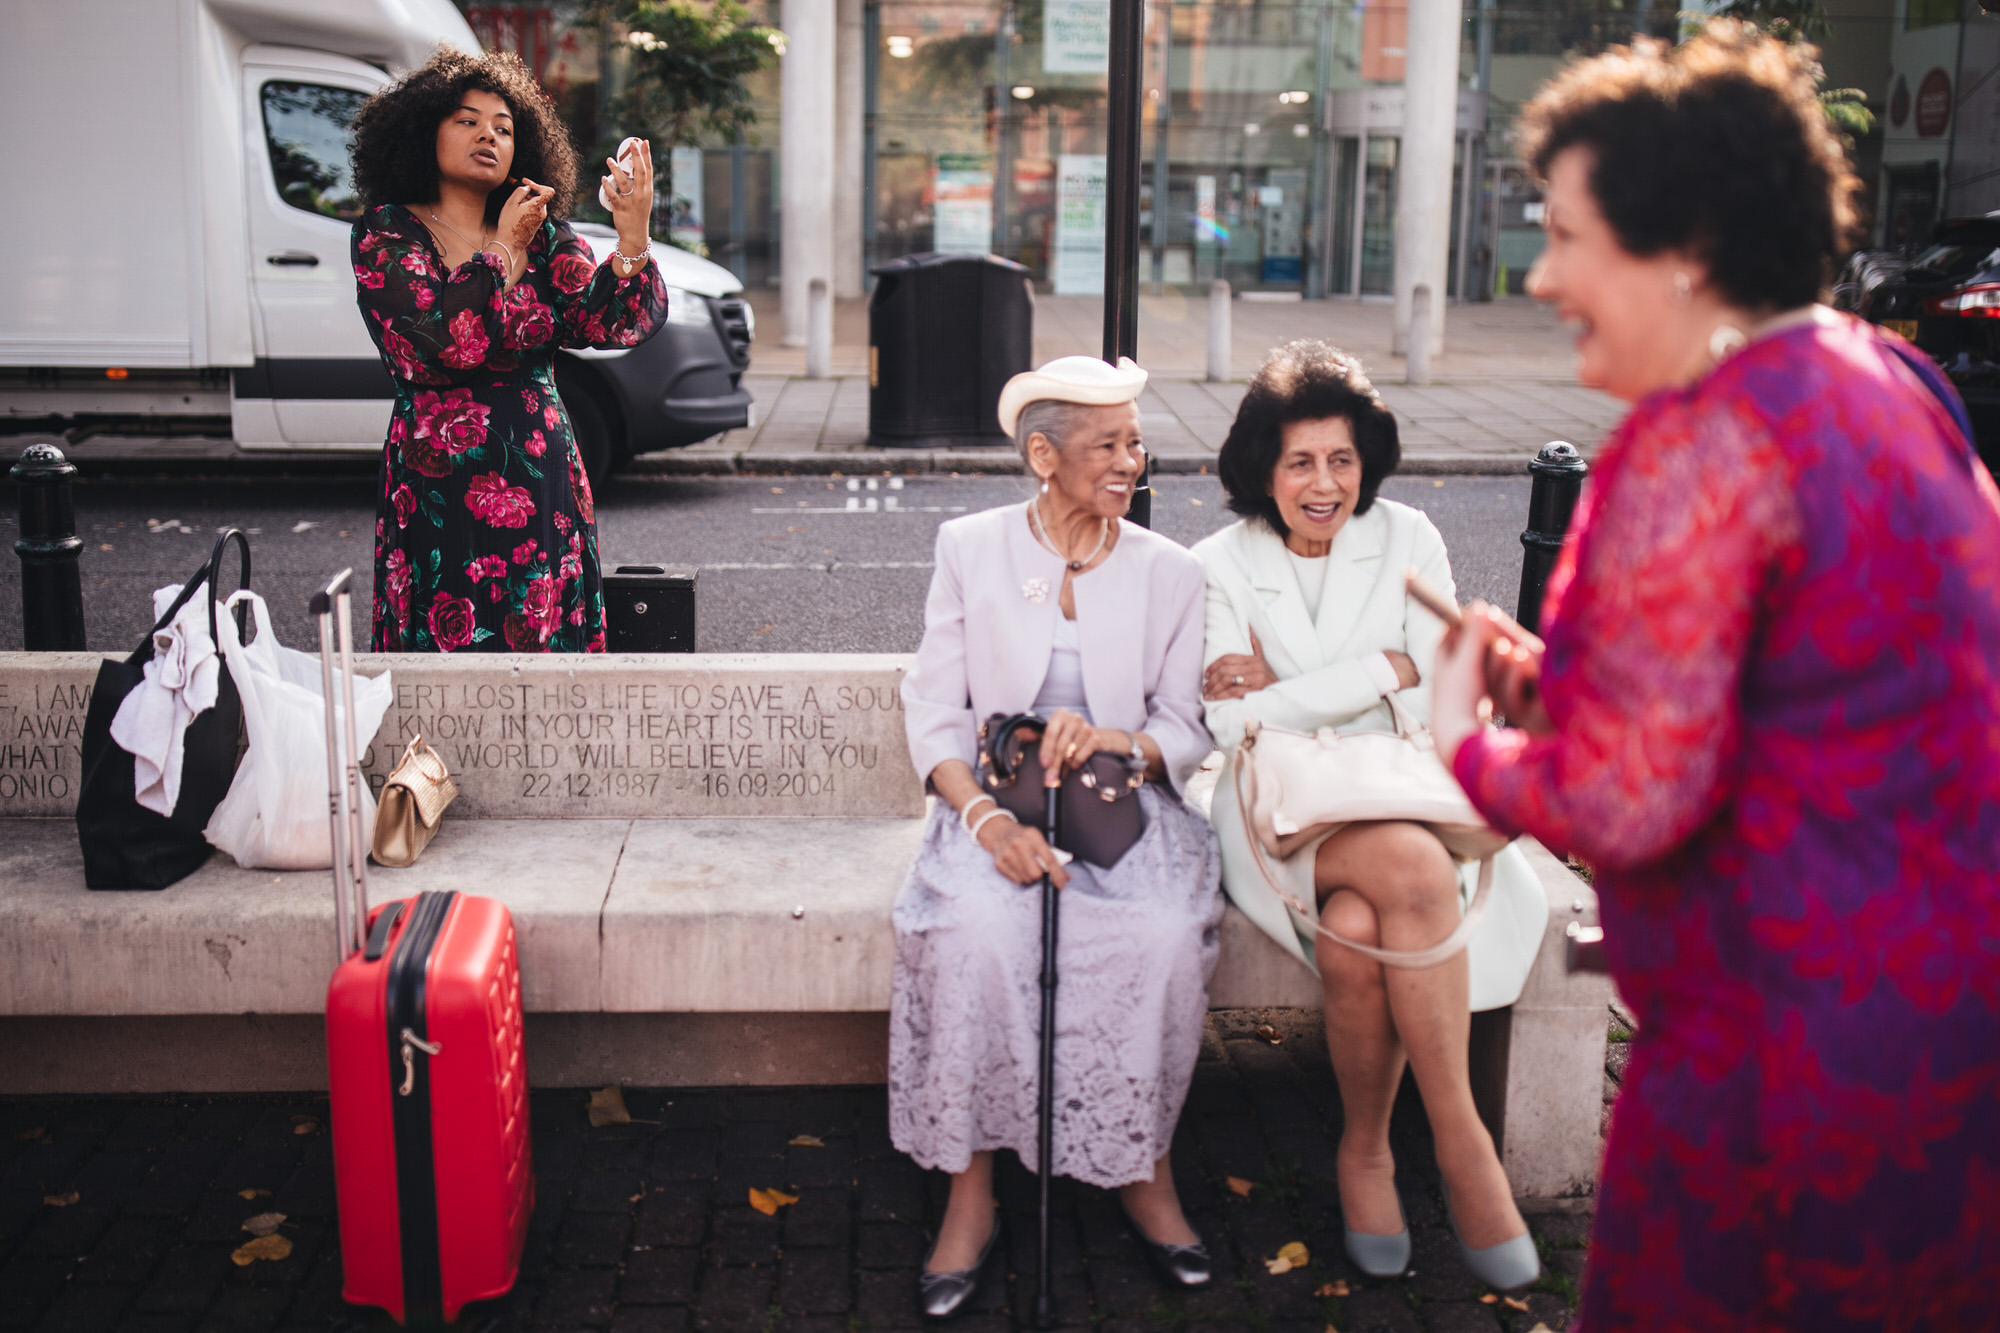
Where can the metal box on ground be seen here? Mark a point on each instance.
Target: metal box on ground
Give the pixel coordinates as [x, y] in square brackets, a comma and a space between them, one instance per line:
[945, 333]
[649, 609]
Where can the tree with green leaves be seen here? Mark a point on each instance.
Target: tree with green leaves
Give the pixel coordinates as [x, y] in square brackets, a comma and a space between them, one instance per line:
[1806, 21]
[689, 62]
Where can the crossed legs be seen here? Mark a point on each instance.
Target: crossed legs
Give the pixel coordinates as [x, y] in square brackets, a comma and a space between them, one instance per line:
[1393, 885]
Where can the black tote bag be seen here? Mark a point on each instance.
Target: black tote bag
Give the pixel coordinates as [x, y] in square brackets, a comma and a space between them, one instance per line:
[125, 845]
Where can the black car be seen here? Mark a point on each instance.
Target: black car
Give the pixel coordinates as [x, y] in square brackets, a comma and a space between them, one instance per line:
[1947, 302]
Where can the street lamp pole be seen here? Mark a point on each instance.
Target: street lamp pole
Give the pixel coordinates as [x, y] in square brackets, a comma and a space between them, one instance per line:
[1121, 212]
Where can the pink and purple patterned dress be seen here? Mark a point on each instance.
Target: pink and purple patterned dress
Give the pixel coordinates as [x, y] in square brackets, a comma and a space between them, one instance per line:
[484, 535]
[1773, 670]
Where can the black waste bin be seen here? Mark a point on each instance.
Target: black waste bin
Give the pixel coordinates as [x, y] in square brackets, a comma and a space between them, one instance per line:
[945, 333]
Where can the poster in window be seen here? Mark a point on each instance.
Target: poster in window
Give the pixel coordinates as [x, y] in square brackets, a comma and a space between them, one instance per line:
[1080, 182]
[962, 208]
[1076, 36]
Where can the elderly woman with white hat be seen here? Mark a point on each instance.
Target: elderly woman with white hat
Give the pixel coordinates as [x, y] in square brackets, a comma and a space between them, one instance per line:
[1060, 608]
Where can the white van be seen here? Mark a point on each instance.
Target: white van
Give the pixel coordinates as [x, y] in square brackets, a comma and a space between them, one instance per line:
[189, 267]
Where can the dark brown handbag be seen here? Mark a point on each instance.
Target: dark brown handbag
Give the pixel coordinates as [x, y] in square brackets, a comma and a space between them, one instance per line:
[1101, 817]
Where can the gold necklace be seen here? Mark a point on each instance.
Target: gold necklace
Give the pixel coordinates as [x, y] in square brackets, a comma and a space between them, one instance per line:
[1048, 542]
[456, 232]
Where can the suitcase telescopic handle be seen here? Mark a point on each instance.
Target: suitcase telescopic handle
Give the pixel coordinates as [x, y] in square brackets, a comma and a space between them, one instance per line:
[332, 607]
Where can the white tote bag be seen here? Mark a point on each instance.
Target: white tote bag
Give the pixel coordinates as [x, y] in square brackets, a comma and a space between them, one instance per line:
[275, 815]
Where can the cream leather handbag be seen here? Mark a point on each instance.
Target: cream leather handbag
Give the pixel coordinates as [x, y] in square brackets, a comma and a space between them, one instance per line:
[412, 805]
[1292, 789]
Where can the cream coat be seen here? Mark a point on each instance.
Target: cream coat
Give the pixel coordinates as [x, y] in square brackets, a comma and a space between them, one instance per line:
[987, 639]
[1330, 674]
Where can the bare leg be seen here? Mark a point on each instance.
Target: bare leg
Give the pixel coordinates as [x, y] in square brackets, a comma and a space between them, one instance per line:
[1156, 1207]
[1367, 1061]
[968, 1218]
[1405, 874]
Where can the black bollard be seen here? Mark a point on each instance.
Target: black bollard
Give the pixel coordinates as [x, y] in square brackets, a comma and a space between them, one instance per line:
[51, 590]
[1558, 471]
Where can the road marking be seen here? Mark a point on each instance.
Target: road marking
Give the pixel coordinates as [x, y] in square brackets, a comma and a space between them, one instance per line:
[823, 566]
[860, 504]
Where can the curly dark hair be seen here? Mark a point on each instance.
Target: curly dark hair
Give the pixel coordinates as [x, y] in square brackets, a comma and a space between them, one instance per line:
[1717, 145]
[1308, 380]
[395, 132]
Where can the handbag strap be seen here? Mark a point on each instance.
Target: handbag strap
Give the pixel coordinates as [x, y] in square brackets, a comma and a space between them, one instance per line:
[206, 577]
[1413, 959]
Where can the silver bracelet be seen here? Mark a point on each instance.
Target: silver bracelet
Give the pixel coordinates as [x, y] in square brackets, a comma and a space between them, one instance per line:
[634, 260]
[504, 246]
[965, 815]
[995, 813]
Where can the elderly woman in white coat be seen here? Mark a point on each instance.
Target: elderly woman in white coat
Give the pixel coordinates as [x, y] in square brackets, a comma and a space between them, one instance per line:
[1061, 608]
[1309, 625]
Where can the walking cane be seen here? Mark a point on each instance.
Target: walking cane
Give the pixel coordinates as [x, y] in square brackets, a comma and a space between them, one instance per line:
[1045, 1295]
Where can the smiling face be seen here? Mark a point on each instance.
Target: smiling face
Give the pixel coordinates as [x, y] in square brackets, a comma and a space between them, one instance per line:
[1635, 333]
[475, 143]
[1099, 462]
[1317, 481]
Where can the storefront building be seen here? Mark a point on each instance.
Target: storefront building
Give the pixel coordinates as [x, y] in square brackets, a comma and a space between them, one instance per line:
[1271, 134]
[1941, 119]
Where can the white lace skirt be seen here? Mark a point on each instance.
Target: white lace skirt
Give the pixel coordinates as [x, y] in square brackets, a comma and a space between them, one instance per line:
[1136, 945]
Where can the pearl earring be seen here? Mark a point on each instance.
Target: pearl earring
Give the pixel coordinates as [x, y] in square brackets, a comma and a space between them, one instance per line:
[1725, 342]
[1045, 485]
[1683, 286]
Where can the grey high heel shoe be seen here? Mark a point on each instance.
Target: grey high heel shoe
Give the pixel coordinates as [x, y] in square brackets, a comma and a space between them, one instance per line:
[1508, 1266]
[942, 1295]
[1378, 1256]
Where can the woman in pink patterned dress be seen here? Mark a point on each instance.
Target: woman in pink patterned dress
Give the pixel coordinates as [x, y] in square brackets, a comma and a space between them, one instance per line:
[1768, 713]
[469, 282]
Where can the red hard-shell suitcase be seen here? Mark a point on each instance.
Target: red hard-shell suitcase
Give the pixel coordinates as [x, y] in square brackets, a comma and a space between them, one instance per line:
[429, 1082]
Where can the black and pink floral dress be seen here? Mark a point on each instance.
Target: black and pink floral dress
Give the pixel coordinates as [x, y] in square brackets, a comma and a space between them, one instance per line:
[484, 537]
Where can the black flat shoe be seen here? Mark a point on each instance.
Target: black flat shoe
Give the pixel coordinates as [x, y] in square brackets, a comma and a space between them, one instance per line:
[942, 1295]
[1183, 1267]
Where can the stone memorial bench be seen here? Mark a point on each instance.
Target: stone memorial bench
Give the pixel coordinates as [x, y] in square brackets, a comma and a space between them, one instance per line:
[700, 853]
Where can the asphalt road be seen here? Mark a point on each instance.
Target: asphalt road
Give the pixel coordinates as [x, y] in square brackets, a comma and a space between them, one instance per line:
[788, 564]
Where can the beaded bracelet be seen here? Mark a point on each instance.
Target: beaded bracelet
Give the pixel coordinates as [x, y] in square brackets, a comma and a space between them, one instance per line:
[965, 815]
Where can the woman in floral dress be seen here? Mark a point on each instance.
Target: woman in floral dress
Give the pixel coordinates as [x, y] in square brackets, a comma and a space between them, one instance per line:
[484, 537]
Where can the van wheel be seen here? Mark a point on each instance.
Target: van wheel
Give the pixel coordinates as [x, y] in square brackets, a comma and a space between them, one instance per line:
[591, 424]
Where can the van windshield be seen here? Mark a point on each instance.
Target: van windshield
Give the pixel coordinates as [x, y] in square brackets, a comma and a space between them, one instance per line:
[306, 129]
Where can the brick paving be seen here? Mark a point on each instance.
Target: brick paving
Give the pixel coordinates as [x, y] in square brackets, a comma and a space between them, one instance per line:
[648, 1226]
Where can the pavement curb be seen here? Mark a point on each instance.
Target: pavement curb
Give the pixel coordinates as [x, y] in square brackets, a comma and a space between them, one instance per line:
[998, 461]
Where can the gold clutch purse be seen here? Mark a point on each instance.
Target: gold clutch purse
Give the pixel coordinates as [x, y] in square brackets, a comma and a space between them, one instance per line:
[412, 805]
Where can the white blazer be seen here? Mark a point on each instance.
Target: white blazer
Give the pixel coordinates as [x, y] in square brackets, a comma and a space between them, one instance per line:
[990, 624]
[1332, 673]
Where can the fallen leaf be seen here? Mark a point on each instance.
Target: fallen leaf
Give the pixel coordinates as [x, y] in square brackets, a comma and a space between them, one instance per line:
[263, 1224]
[807, 1141]
[303, 525]
[27, 1135]
[1437, 483]
[1241, 1187]
[61, 1200]
[607, 1107]
[1514, 1303]
[253, 1194]
[306, 1126]
[777, 490]
[768, 1202]
[106, 546]
[1290, 1256]
[1333, 1289]
[767, 629]
[271, 1247]
[1269, 1033]
[1194, 502]
[345, 534]
[1489, 1299]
